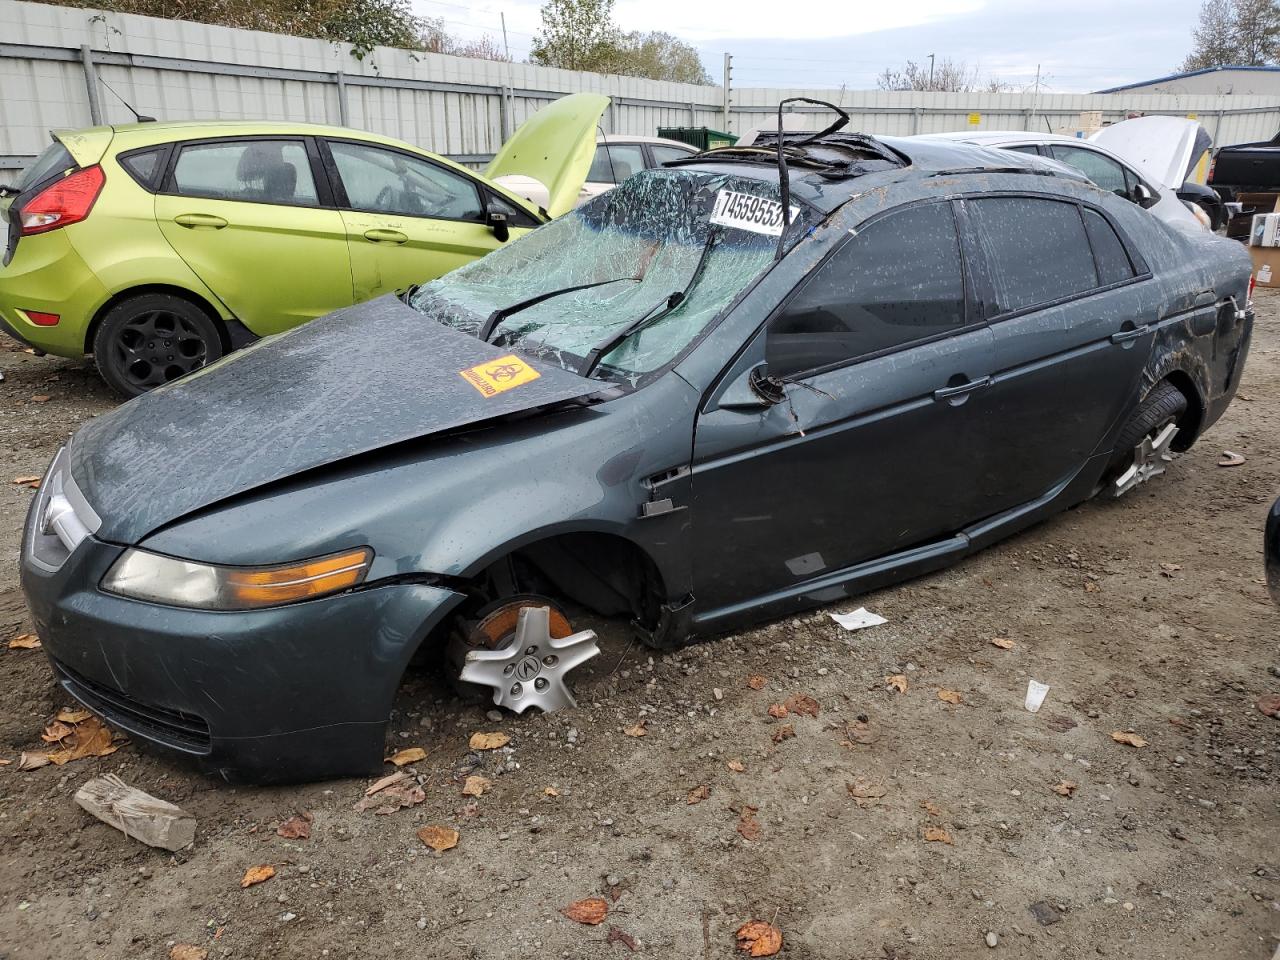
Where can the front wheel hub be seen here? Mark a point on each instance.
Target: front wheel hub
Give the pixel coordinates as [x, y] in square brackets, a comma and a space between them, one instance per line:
[529, 668]
[1149, 459]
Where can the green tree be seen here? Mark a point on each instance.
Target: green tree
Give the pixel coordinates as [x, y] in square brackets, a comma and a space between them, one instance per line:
[1235, 33]
[577, 35]
[659, 56]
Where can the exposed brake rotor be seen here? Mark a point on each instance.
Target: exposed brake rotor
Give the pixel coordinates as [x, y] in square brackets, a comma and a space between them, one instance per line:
[522, 650]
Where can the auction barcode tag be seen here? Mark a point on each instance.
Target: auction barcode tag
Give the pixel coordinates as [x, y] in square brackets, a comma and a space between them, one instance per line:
[746, 212]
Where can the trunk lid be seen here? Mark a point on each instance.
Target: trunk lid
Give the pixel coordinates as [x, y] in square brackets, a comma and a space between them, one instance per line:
[1165, 148]
[349, 383]
[554, 147]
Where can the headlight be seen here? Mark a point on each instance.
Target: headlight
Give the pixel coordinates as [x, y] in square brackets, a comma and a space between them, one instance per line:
[184, 583]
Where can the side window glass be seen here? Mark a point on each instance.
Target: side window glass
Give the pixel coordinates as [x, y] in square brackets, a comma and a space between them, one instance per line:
[1102, 170]
[894, 282]
[662, 153]
[1030, 148]
[384, 181]
[1036, 250]
[263, 171]
[142, 166]
[1109, 253]
[615, 162]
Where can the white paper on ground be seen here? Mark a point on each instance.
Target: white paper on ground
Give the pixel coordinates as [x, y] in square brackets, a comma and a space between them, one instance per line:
[1035, 694]
[860, 618]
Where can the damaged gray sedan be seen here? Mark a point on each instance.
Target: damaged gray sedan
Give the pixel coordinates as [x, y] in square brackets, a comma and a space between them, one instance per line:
[754, 381]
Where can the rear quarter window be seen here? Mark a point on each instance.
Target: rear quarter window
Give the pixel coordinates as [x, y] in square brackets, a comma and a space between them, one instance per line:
[1109, 253]
[143, 165]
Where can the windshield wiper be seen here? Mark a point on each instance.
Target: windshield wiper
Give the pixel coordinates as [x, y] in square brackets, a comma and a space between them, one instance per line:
[663, 307]
[495, 318]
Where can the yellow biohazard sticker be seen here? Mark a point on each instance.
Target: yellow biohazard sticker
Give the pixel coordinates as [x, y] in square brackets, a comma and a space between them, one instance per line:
[499, 376]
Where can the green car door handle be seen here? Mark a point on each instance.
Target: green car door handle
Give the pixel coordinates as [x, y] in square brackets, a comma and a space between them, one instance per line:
[385, 236]
[193, 220]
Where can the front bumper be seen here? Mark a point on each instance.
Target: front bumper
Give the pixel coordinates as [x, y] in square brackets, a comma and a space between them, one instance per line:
[301, 692]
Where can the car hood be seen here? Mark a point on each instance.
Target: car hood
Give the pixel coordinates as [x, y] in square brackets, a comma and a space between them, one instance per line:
[352, 382]
[554, 147]
[1165, 148]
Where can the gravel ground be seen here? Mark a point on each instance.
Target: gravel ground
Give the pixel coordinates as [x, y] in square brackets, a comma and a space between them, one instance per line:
[891, 825]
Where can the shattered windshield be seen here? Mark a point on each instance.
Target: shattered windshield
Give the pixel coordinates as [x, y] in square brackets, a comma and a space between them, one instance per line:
[636, 274]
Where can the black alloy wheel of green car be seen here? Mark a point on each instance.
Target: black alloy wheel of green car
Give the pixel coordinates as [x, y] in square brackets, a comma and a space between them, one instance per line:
[152, 339]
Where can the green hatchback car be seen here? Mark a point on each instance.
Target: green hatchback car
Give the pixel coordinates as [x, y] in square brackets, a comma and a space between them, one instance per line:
[158, 247]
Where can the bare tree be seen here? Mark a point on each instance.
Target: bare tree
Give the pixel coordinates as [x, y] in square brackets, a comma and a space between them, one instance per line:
[1235, 33]
[436, 39]
[944, 76]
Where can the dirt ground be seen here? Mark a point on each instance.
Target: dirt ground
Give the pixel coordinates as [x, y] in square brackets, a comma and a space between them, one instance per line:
[1147, 614]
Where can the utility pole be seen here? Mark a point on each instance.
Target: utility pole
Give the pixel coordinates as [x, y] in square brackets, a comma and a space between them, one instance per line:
[505, 46]
[931, 71]
[728, 76]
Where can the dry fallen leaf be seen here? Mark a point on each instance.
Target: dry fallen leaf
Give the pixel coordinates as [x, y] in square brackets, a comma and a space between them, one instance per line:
[936, 835]
[407, 756]
[864, 792]
[897, 682]
[948, 696]
[297, 827]
[187, 951]
[590, 911]
[25, 641]
[785, 732]
[90, 738]
[5, 763]
[802, 703]
[859, 732]
[1269, 705]
[1004, 643]
[30, 481]
[1132, 739]
[32, 761]
[759, 939]
[385, 782]
[551, 791]
[404, 792]
[476, 786]
[1230, 459]
[40, 398]
[56, 731]
[737, 766]
[1091, 587]
[931, 808]
[256, 875]
[757, 682]
[777, 710]
[638, 729]
[748, 825]
[488, 741]
[617, 936]
[698, 794]
[1065, 788]
[439, 838]
[72, 715]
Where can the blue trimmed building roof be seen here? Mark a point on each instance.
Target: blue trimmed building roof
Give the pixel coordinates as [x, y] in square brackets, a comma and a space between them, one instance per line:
[1183, 76]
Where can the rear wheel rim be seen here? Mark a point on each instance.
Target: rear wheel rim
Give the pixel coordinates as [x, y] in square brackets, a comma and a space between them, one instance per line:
[1149, 458]
[155, 347]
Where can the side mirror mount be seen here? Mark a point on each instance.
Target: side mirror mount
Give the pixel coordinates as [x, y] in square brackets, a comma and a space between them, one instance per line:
[753, 390]
[497, 222]
[1143, 196]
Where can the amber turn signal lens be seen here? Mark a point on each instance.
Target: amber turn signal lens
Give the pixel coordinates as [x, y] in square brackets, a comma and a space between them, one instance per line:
[285, 584]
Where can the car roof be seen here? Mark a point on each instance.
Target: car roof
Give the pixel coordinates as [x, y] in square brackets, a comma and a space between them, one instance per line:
[993, 138]
[890, 159]
[144, 134]
[661, 141]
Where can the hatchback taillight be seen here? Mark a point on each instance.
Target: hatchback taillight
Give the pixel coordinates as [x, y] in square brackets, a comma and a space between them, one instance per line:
[1249, 296]
[67, 201]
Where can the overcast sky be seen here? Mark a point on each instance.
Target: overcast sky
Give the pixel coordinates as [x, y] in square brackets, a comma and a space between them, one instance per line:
[1081, 45]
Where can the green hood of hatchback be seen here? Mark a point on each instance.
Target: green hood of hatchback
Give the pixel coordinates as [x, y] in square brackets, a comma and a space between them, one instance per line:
[555, 146]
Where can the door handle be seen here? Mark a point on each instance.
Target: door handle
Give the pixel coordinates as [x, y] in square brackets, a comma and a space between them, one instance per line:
[1136, 333]
[378, 235]
[193, 220]
[961, 389]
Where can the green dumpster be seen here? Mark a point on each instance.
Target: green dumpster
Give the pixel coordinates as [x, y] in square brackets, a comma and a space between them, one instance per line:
[704, 138]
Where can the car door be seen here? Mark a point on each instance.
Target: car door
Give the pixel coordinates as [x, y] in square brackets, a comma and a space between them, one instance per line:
[1071, 317]
[881, 428]
[256, 223]
[613, 163]
[660, 153]
[1105, 172]
[408, 220]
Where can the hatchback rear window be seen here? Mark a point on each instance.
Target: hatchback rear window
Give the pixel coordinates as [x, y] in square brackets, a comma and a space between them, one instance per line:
[53, 161]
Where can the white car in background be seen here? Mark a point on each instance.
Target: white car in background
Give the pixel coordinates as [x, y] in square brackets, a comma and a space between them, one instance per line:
[1145, 159]
[615, 159]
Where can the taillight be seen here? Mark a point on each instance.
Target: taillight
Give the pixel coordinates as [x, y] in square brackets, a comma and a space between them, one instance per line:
[1209, 176]
[62, 203]
[1249, 296]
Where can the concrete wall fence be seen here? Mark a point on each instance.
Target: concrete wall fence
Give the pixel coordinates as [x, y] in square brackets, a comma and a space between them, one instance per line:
[58, 63]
